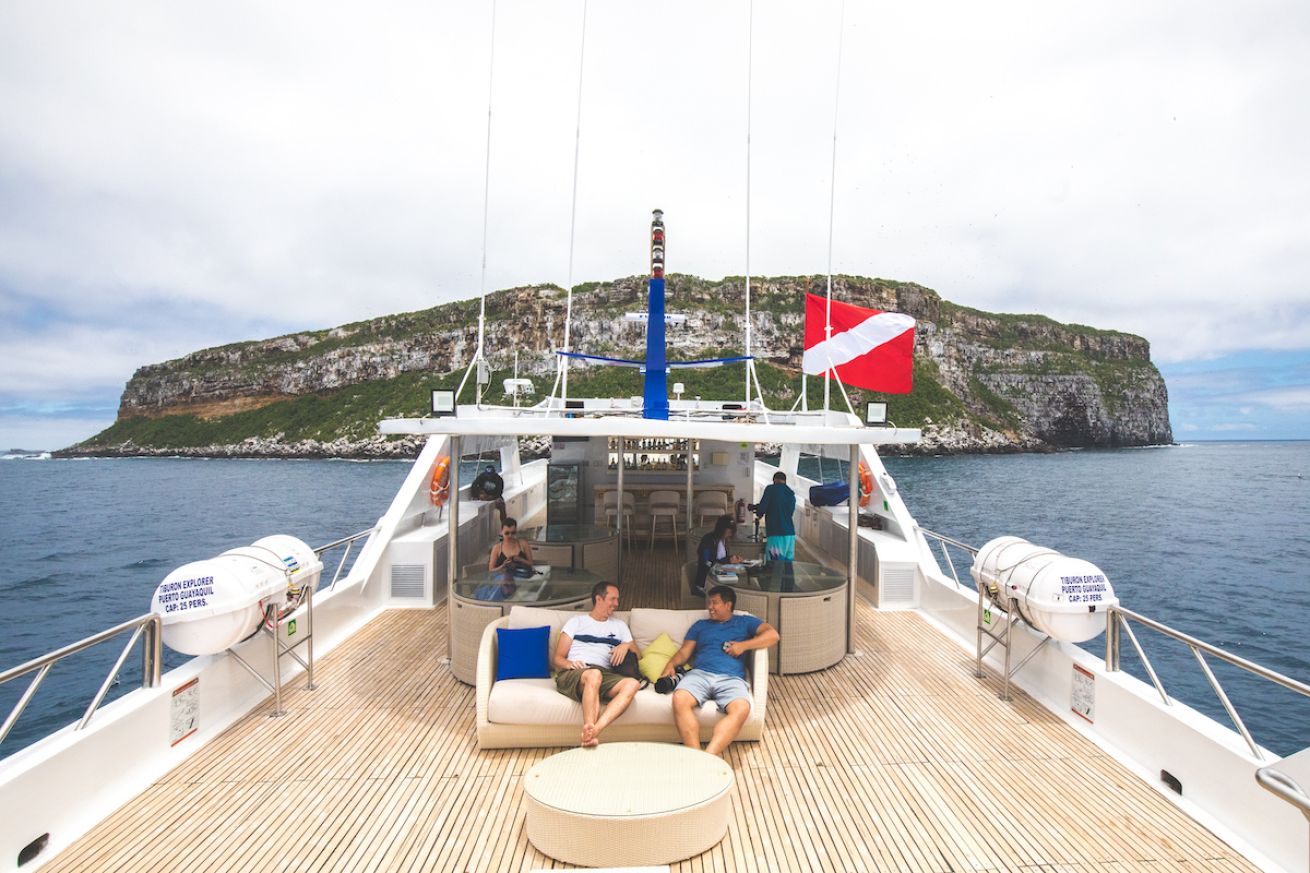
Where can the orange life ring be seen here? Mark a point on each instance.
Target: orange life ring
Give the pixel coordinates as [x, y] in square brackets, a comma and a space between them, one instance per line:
[440, 488]
[866, 483]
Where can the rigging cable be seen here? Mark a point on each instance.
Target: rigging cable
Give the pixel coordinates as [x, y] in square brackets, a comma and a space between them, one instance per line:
[750, 361]
[750, 65]
[562, 379]
[832, 198]
[486, 200]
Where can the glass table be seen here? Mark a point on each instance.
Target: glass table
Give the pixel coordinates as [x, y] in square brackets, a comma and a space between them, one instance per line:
[487, 595]
[805, 603]
[584, 546]
[783, 577]
[548, 586]
[742, 543]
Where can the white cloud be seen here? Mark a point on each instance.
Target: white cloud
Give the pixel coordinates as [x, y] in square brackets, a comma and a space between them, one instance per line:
[297, 165]
[1290, 399]
[48, 432]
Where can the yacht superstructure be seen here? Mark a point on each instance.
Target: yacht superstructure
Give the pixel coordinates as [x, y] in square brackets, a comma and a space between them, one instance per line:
[898, 756]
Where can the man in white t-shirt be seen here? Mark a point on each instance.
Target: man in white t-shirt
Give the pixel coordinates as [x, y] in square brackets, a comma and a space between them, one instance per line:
[590, 646]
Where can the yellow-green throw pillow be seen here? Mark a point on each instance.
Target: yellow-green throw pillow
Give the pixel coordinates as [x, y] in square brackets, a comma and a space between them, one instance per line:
[657, 657]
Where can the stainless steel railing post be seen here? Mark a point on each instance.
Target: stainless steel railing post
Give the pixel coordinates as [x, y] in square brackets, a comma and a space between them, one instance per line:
[309, 643]
[455, 445]
[978, 670]
[1112, 640]
[852, 542]
[270, 618]
[24, 700]
[113, 675]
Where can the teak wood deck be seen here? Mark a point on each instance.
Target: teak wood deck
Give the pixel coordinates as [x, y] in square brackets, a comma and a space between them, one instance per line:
[897, 759]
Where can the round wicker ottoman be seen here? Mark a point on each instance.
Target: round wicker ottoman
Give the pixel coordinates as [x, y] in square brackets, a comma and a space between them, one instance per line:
[628, 804]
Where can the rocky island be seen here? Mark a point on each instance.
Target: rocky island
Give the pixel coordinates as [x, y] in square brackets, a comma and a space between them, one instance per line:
[983, 382]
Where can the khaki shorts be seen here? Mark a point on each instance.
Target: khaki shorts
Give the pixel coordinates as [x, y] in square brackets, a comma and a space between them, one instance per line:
[569, 682]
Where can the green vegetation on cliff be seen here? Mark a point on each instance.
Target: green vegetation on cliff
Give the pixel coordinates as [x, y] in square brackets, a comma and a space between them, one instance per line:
[354, 412]
[1025, 376]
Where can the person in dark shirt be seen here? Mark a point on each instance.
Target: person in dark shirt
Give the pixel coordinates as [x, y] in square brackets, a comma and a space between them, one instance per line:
[713, 549]
[490, 486]
[777, 505]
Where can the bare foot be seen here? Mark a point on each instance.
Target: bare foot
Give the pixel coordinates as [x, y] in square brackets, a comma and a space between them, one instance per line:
[589, 735]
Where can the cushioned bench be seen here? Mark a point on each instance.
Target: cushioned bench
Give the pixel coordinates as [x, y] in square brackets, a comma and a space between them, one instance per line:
[527, 713]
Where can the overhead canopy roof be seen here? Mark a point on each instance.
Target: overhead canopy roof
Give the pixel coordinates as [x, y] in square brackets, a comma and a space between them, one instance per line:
[832, 428]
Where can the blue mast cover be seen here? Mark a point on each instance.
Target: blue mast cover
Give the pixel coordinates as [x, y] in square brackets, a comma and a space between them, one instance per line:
[655, 397]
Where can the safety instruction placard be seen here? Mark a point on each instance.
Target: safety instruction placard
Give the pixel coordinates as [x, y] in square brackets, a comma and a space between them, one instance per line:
[1083, 697]
[184, 716]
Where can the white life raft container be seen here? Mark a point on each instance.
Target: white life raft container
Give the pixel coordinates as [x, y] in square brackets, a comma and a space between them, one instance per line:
[208, 606]
[1058, 595]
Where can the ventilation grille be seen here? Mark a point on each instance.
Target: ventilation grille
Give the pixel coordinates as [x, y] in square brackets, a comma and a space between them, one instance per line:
[867, 563]
[898, 585]
[406, 580]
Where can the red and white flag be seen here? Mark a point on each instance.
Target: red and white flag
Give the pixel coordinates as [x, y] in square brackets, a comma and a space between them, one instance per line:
[868, 349]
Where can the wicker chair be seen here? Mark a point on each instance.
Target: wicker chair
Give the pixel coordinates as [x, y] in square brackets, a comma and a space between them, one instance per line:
[555, 556]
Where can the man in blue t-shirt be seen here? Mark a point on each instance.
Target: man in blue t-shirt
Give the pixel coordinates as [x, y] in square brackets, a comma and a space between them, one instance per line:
[720, 675]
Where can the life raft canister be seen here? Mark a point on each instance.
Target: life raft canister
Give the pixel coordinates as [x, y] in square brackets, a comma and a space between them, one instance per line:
[866, 482]
[440, 488]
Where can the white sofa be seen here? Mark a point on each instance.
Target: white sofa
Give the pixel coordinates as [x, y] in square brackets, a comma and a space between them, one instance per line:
[529, 713]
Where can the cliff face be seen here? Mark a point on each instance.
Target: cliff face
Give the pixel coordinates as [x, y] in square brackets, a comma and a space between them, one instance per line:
[1010, 382]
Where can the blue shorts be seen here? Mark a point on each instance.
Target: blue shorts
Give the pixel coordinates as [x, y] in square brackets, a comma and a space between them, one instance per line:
[720, 688]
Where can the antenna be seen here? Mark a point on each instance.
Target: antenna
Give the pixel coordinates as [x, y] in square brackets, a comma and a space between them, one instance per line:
[486, 199]
[563, 379]
[750, 359]
[750, 64]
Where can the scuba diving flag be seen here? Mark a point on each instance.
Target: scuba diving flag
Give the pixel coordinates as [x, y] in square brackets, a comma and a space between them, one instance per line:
[869, 349]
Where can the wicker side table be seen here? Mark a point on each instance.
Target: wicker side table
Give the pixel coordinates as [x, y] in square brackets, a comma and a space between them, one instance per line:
[628, 804]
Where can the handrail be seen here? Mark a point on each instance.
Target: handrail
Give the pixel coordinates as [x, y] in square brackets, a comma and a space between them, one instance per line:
[148, 626]
[945, 541]
[1117, 618]
[1115, 621]
[1284, 786]
[349, 543]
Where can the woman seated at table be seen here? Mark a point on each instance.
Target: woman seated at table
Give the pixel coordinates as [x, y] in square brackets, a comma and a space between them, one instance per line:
[511, 551]
[713, 549]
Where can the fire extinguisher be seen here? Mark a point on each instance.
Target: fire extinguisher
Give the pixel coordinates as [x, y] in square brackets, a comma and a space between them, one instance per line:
[741, 511]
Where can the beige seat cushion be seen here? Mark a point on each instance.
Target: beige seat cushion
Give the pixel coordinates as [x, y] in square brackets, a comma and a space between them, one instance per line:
[647, 624]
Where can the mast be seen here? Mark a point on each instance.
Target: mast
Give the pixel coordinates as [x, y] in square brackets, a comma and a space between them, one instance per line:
[655, 397]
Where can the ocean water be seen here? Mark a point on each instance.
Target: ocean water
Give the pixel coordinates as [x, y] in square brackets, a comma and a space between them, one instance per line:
[1211, 538]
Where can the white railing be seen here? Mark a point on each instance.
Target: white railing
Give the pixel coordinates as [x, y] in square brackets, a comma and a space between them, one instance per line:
[1117, 619]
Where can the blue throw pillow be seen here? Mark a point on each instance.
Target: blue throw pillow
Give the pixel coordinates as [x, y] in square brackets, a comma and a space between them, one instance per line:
[522, 653]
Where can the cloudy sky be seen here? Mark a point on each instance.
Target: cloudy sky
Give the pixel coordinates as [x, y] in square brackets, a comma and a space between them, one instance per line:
[175, 176]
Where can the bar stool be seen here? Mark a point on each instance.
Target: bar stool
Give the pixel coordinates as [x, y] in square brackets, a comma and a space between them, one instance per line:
[711, 503]
[611, 504]
[663, 504]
